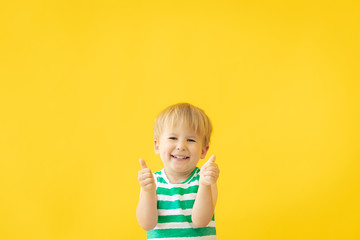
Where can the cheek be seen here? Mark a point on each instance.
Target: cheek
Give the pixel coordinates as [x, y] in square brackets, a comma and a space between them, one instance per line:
[167, 148]
[195, 150]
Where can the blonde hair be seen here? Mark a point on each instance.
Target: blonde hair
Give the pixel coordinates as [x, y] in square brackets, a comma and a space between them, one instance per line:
[187, 114]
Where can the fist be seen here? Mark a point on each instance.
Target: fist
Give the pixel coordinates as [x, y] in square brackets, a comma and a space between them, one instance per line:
[209, 172]
[145, 177]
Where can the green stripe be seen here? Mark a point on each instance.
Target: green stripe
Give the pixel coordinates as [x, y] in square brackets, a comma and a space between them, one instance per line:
[174, 218]
[181, 232]
[194, 179]
[176, 190]
[161, 180]
[177, 218]
[175, 204]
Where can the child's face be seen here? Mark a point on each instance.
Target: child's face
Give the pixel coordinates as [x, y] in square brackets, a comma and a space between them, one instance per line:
[180, 148]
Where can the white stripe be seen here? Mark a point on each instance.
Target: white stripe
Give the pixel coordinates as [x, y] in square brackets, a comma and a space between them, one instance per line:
[190, 196]
[187, 185]
[179, 211]
[174, 225]
[180, 225]
[213, 237]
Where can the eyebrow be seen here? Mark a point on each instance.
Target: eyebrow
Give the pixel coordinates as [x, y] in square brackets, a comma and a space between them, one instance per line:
[187, 136]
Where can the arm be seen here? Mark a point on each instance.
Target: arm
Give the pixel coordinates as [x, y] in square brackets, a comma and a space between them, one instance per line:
[146, 211]
[206, 198]
[204, 206]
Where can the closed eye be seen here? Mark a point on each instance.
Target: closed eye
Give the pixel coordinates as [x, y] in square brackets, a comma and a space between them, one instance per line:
[172, 138]
[191, 140]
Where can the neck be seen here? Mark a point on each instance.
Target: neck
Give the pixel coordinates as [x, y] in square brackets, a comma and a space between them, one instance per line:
[177, 177]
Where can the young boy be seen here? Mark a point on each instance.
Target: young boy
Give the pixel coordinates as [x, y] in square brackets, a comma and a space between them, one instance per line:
[178, 202]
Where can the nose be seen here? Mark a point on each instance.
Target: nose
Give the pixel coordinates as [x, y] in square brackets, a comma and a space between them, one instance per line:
[180, 146]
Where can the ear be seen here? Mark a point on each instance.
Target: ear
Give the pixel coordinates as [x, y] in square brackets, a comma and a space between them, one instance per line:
[156, 146]
[204, 151]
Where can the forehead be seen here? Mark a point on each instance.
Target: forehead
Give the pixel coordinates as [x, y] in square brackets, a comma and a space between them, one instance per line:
[180, 128]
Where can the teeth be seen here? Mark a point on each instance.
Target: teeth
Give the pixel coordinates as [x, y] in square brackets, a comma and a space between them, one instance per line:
[179, 157]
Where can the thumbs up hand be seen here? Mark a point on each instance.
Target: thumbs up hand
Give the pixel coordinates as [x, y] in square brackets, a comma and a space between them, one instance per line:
[209, 172]
[145, 177]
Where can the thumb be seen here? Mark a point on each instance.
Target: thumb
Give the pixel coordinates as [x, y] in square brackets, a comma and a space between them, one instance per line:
[211, 159]
[142, 163]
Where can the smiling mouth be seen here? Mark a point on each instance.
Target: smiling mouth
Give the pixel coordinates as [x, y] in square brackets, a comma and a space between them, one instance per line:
[180, 157]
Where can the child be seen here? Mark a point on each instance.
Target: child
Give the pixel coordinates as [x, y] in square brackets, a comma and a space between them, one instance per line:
[178, 202]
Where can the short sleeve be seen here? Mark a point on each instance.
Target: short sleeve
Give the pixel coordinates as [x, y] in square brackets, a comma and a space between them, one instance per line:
[156, 181]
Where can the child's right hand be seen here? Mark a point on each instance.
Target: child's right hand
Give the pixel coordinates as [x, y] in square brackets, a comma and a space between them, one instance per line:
[146, 178]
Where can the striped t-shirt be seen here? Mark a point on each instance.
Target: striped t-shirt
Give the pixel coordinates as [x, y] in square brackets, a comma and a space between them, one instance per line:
[175, 202]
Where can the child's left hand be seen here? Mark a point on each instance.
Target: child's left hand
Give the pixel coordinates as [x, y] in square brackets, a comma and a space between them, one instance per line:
[209, 172]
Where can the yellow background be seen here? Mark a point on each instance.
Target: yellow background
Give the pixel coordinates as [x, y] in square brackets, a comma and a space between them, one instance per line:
[81, 83]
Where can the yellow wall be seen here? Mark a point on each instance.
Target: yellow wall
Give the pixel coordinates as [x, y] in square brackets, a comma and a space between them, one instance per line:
[81, 82]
